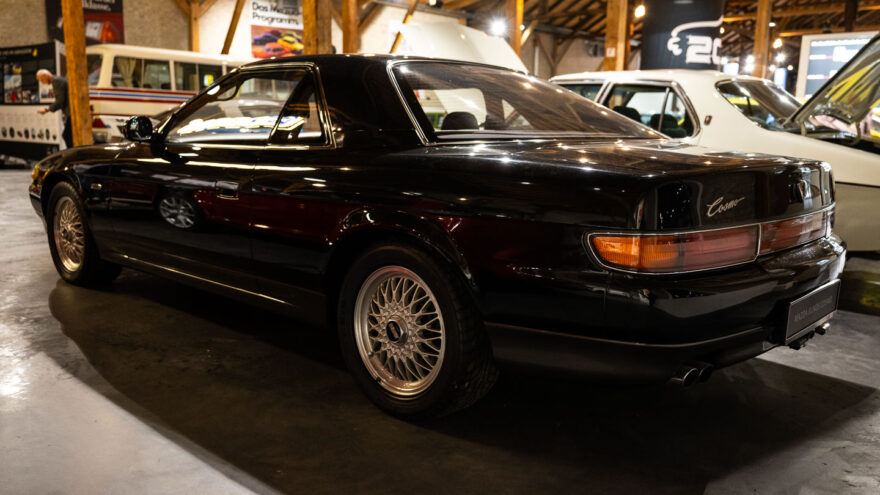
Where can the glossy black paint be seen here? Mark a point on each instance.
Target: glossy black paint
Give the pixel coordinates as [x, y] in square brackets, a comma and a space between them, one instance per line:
[279, 226]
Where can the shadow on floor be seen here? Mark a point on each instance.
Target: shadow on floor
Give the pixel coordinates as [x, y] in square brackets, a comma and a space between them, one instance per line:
[277, 403]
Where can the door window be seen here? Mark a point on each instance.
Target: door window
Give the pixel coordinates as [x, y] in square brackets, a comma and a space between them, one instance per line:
[300, 121]
[240, 110]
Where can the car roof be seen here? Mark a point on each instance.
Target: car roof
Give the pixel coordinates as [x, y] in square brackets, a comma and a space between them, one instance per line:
[708, 76]
[378, 58]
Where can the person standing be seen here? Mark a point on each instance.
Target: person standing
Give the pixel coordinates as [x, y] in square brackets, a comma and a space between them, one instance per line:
[59, 86]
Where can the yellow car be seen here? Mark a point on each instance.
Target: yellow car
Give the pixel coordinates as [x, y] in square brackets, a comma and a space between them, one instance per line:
[291, 42]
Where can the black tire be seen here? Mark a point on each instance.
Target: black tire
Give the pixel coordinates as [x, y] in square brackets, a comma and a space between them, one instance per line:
[466, 371]
[92, 270]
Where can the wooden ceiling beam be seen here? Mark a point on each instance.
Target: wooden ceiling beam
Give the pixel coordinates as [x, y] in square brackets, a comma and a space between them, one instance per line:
[835, 29]
[830, 8]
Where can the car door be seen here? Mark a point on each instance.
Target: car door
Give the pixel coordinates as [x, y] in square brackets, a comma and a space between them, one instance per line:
[656, 105]
[182, 202]
[293, 197]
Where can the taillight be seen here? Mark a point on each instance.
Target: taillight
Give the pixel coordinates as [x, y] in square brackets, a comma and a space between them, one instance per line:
[793, 232]
[97, 123]
[678, 252]
[692, 251]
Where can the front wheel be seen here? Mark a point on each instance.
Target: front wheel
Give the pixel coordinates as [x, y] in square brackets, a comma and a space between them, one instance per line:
[70, 241]
[411, 336]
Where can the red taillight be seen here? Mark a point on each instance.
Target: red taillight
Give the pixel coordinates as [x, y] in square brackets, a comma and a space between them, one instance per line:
[678, 252]
[691, 251]
[789, 233]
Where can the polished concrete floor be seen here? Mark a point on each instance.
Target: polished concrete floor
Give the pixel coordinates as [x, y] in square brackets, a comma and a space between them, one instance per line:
[153, 387]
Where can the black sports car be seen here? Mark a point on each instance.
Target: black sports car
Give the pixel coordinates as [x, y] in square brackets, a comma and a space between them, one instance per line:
[447, 217]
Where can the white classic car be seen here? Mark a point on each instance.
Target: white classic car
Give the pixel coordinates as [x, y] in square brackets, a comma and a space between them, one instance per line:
[742, 113]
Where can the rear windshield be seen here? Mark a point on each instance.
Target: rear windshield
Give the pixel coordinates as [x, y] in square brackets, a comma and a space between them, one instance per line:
[465, 102]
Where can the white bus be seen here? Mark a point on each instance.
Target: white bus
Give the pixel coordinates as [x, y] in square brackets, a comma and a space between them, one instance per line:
[126, 80]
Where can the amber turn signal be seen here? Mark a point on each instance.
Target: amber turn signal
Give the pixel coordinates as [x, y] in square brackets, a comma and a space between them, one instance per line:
[678, 252]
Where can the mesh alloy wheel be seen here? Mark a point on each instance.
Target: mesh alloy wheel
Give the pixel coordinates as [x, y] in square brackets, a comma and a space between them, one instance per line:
[399, 331]
[69, 234]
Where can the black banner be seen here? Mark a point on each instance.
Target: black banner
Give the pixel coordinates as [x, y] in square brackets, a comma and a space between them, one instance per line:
[682, 34]
[102, 19]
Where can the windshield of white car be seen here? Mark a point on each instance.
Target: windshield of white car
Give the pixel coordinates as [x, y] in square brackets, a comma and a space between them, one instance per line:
[453, 101]
[762, 102]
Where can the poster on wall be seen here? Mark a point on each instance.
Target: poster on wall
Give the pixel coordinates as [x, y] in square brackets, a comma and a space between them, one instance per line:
[682, 34]
[276, 28]
[102, 18]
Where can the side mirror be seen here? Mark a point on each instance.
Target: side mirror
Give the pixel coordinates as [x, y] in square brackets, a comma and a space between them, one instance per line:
[138, 129]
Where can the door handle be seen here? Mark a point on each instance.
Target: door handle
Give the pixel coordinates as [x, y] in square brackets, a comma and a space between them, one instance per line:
[226, 189]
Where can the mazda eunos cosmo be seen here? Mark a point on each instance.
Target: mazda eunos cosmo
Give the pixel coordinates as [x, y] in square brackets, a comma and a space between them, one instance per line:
[449, 217]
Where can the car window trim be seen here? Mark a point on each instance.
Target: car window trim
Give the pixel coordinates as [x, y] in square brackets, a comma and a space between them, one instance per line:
[323, 111]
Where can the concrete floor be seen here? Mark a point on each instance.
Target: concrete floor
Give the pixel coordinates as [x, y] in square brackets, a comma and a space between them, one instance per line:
[153, 387]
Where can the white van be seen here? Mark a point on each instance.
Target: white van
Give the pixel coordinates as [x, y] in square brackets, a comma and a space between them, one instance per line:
[126, 80]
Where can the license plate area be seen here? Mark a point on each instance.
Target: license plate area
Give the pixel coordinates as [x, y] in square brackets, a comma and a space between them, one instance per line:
[808, 311]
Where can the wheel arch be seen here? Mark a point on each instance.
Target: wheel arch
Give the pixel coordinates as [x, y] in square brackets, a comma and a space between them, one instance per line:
[52, 179]
[367, 227]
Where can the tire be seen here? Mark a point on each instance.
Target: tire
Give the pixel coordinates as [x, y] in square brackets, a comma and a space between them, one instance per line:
[73, 248]
[411, 335]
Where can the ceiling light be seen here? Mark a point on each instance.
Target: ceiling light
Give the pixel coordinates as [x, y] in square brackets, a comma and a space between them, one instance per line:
[780, 57]
[750, 59]
[721, 30]
[639, 12]
[772, 24]
[777, 43]
[790, 67]
[498, 27]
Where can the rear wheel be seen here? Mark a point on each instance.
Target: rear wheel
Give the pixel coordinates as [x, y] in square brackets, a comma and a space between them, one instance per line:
[70, 242]
[411, 336]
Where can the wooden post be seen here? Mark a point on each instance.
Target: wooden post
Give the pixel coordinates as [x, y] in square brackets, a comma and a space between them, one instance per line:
[406, 18]
[316, 27]
[77, 72]
[350, 36]
[617, 35]
[762, 38]
[233, 25]
[194, 25]
[851, 11]
[514, 21]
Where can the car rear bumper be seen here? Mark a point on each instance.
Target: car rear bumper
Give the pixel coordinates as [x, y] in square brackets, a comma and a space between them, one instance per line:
[654, 325]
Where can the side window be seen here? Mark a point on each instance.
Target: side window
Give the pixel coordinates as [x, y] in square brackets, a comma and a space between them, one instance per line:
[208, 74]
[657, 107]
[640, 103]
[157, 75]
[93, 62]
[677, 122]
[300, 121]
[186, 76]
[127, 72]
[241, 110]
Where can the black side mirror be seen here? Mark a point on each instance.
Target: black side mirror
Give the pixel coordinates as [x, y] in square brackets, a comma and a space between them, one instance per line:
[138, 129]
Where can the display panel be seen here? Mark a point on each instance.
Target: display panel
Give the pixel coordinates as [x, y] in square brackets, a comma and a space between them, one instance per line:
[822, 55]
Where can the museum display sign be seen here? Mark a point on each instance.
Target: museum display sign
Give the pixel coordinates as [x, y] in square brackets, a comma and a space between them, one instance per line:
[682, 34]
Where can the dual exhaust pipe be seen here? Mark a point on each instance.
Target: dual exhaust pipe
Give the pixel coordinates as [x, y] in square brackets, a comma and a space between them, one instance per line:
[689, 374]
